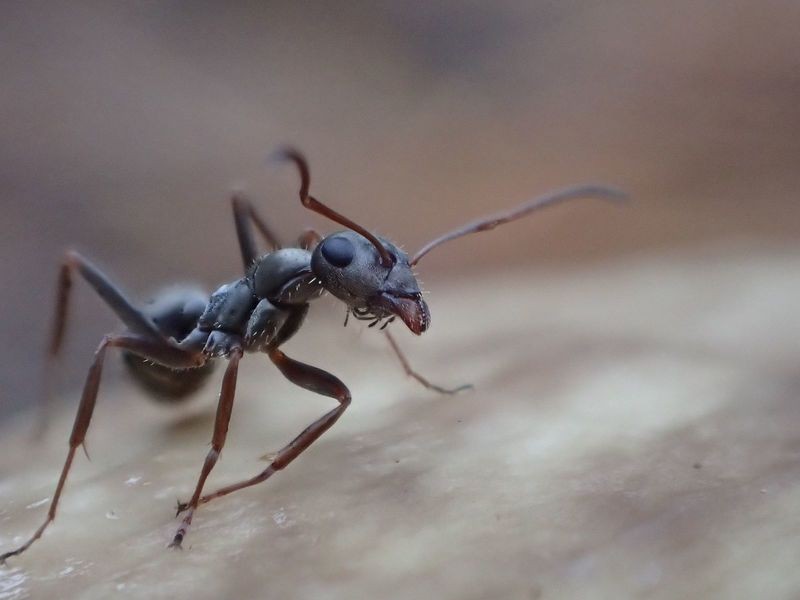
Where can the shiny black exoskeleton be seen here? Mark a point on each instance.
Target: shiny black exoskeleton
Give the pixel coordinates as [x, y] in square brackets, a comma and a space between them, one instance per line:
[267, 306]
[171, 344]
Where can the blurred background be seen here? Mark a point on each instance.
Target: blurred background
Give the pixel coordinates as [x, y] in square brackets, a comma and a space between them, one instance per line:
[126, 125]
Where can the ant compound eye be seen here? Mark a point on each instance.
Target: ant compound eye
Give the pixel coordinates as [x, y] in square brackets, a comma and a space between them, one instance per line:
[338, 251]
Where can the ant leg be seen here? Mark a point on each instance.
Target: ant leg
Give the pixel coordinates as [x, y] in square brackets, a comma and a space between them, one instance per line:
[135, 320]
[312, 379]
[221, 422]
[309, 239]
[318, 207]
[157, 350]
[412, 373]
[243, 215]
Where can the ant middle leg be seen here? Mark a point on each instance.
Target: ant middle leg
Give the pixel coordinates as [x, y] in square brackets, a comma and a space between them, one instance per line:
[221, 422]
[312, 379]
[153, 349]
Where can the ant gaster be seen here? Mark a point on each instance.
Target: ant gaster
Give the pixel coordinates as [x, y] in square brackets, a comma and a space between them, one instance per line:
[170, 345]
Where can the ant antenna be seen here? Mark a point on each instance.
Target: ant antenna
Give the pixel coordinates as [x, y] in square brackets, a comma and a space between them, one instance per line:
[315, 205]
[492, 221]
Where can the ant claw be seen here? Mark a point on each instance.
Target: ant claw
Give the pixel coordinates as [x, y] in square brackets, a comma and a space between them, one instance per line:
[176, 543]
[451, 391]
[4, 557]
[182, 506]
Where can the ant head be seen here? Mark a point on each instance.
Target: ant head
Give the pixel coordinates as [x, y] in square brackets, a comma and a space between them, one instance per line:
[351, 268]
[373, 276]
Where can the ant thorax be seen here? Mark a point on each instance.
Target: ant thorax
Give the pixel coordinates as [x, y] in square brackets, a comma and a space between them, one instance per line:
[262, 309]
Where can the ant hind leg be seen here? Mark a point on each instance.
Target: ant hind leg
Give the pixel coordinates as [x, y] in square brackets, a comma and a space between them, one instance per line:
[136, 320]
[157, 350]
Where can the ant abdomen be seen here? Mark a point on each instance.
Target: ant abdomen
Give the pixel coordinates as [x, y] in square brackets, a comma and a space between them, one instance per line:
[175, 312]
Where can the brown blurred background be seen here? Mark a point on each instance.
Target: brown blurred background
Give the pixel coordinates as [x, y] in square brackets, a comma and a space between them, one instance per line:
[125, 126]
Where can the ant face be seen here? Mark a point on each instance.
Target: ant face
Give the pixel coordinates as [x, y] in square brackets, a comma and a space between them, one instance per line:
[349, 267]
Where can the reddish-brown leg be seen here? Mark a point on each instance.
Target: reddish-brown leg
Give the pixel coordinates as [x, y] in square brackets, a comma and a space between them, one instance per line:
[156, 350]
[136, 321]
[223, 418]
[412, 373]
[243, 215]
[310, 378]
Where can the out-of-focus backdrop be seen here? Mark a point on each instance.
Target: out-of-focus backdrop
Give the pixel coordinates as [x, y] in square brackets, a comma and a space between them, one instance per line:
[633, 428]
[124, 127]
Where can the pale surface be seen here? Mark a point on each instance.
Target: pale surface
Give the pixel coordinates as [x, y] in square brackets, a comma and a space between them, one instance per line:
[633, 433]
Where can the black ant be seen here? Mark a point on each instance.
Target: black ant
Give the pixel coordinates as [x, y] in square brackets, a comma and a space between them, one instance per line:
[170, 345]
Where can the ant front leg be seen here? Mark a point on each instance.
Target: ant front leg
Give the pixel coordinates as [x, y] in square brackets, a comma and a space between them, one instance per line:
[312, 379]
[412, 373]
[156, 350]
[221, 422]
[243, 215]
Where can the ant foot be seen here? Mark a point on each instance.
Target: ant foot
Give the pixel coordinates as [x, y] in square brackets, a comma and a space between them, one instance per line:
[462, 388]
[449, 391]
[4, 557]
[182, 507]
[176, 542]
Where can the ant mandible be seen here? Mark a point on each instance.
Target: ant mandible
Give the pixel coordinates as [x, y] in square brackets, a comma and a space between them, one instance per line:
[170, 345]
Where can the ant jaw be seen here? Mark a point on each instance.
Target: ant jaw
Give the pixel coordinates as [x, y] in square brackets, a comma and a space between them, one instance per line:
[412, 310]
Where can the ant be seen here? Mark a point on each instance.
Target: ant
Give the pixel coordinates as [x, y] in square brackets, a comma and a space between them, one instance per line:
[170, 345]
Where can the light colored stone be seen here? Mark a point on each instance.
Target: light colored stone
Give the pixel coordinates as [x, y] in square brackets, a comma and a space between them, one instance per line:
[633, 433]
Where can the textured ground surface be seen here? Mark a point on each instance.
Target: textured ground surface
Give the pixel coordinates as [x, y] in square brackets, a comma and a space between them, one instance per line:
[633, 433]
